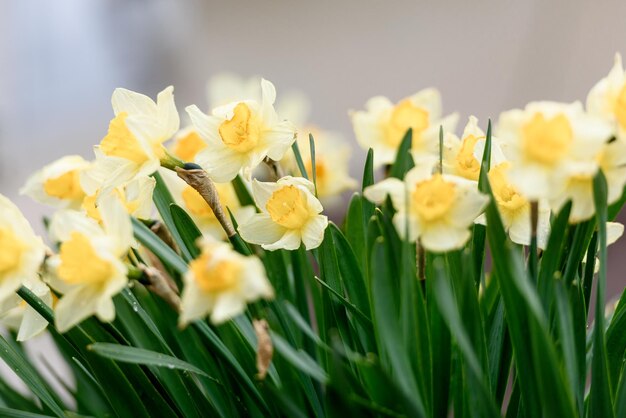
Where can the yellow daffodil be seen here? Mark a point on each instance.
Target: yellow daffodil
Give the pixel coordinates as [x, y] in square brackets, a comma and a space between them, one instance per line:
[190, 200]
[332, 154]
[21, 251]
[579, 184]
[382, 125]
[290, 215]
[545, 141]
[240, 135]
[58, 184]
[135, 196]
[187, 144]
[220, 282]
[514, 208]
[133, 145]
[436, 209]
[607, 99]
[462, 156]
[89, 270]
[16, 314]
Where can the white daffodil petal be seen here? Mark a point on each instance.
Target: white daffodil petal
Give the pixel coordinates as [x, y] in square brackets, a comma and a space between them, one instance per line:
[313, 232]
[260, 229]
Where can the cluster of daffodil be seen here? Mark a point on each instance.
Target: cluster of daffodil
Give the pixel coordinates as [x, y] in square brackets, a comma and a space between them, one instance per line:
[542, 157]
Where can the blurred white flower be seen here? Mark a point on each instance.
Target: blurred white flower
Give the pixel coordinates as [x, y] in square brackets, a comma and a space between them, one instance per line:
[382, 125]
[220, 282]
[16, 314]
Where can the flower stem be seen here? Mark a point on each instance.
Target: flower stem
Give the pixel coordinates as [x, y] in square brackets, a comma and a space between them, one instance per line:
[170, 162]
[532, 259]
[275, 168]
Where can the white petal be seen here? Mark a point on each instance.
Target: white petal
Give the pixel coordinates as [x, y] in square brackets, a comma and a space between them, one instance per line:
[116, 222]
[392, 187]
[441, 237]
[260, 229]
[262, 192]
[404, 223]
[614, 231]
[132, 103]
[167, 113]
[313, 232]
[222, 163]
[290, 241]
[279, 139]
[75, 306]
[227, 306]
[254, 281]
[67, 221]
[205, 125]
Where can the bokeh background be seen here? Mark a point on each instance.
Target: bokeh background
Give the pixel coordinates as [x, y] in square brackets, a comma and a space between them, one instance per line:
[60, 61]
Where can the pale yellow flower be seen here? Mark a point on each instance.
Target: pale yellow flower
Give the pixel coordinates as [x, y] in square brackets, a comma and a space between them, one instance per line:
[607, 99]
[17, 315]
[290, 215]
[187, 144]
[579, 184]
[191, 201]
[220, 282]
[546, 141]
[89, 270]
[382, 125]
[135, 196]
[436, 209]
[462, 156]
[58, 184]
[514, 208]
[332, 155]
[240, 135]
[133, 145]
[21, 251]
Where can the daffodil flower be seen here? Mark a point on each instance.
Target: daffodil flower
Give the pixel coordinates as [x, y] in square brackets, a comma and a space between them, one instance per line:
[89, 270]
[220, 282]
[332, 155]
[514, 208]
[133, 145]
[607, 99]
[58, 184]
[290, 215]
[187, 144]
[135, 196]
[579, 184]
[435, 209]
[21, 251]
[16, 314]
[240, 135]
[462, 156]
[382, 125]
[189, 199]
[546, 141]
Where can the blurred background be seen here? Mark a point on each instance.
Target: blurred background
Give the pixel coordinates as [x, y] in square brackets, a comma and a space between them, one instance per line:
[61, 60]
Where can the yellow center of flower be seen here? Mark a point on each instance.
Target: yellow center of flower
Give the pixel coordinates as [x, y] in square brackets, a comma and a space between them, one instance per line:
[11, 249]
[288, 207]
[405, 115]
[189, 146]
[80, 264]
[466, 163]
[66, 186]
[241, 133]
[620, 107]
[546, 141]
[90, 206]
[215, 276]
[120, 141]
[433, 199]
[505, 194]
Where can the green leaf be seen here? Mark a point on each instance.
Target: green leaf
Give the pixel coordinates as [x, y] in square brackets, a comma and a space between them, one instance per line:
[158, 247]
[299, 162]
[163, 199]
[313, 168]
[600, 404]
[616, 340]
[242, 192]
[187, 229]
[299, 359]
[345, 302]
[368, 170]
[142, 356]
[27, 373]
[404, 160]
[14, 413]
